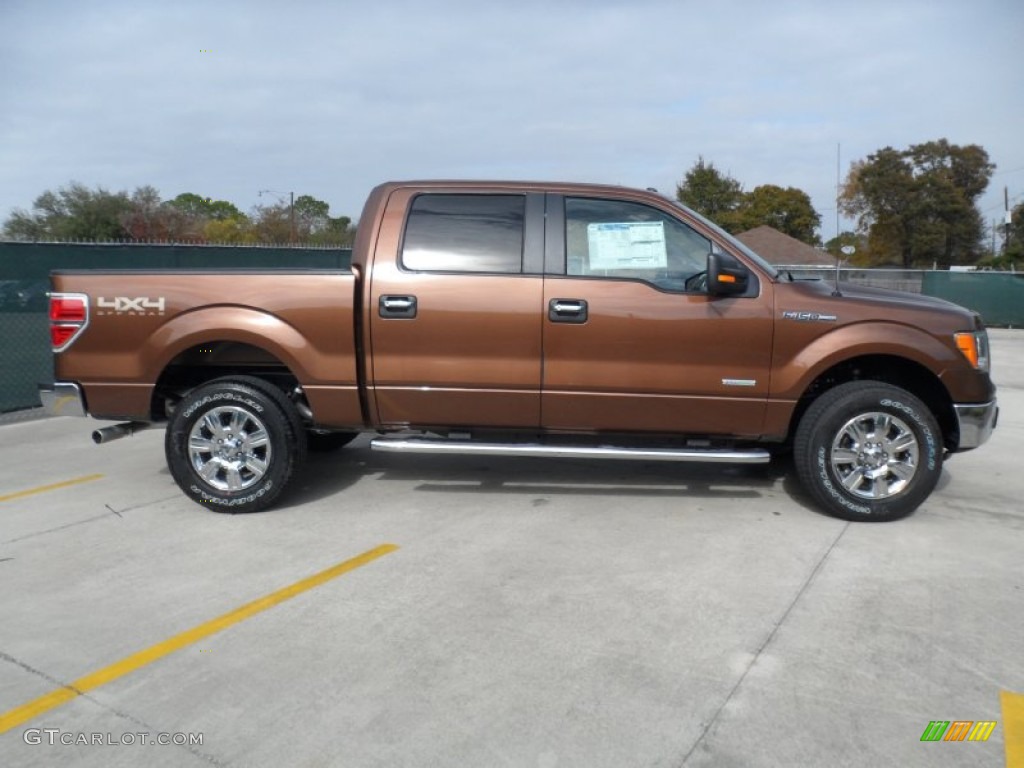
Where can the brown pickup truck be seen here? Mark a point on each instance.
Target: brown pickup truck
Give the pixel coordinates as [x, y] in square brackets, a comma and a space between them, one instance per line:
[521, 319]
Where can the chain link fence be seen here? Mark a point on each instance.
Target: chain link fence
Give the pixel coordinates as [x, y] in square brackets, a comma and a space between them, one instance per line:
[997, 296]
[909, 280]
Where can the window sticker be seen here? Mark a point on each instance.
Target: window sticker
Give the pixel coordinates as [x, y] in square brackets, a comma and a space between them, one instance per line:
[627, 245]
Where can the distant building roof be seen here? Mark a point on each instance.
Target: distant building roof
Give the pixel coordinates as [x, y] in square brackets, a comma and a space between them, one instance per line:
[781, 249]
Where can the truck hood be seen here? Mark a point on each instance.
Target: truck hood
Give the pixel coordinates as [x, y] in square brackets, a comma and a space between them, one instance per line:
[872, 295]
[873, 302]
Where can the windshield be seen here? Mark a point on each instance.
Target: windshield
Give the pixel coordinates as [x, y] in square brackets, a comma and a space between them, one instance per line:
[772, 271]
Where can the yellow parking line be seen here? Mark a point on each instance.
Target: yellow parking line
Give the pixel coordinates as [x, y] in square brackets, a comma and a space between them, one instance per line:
[118, 669]
[1013, 727]
[51, 487]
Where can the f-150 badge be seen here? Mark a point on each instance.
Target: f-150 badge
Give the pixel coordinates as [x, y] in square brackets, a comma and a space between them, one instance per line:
[124, 305]
[808, 317]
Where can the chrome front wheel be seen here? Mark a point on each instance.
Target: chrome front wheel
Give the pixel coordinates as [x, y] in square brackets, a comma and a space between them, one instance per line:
[868, 450]
[875, 455]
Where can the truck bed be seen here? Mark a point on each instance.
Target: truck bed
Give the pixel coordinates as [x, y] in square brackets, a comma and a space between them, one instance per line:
[143, 325]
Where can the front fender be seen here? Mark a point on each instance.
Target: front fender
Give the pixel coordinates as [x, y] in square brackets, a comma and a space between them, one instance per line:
[794, 372]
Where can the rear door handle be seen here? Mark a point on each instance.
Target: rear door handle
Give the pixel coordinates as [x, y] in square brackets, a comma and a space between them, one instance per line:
[397, 306]
[567, 311]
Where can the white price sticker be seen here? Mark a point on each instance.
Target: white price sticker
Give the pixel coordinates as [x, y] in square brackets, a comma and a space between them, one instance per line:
[627, 245]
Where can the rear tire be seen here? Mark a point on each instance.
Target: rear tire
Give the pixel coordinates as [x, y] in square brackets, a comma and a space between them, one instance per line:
[233, 444]
[868, 451]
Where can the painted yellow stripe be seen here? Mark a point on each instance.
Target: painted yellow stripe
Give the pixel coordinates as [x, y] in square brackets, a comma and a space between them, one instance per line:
[51, 487]
[1013, 727]
[55, 698]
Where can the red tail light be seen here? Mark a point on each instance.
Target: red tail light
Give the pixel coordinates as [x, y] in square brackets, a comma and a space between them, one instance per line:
[69, 314]
[65, 308]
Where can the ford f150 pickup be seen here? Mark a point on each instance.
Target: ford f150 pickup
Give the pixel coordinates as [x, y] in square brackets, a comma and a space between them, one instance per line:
[517, 319]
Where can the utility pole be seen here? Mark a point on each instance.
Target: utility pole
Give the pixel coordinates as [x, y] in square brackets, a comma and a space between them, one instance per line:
[1006, 220]
[839, 187]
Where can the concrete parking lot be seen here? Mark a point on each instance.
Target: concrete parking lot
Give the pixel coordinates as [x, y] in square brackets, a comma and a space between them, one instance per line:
[529, 613]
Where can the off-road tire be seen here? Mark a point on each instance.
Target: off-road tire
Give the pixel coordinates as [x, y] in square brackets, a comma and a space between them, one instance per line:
[889, 472]
[211, 429]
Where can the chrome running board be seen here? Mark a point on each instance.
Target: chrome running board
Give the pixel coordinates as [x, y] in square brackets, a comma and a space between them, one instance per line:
[458, 447]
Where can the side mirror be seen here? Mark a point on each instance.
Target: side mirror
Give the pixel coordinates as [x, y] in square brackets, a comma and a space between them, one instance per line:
[726, 275]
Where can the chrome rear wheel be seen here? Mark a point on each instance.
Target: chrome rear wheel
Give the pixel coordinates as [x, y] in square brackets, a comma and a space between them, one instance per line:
[233, 444]
[229, 448]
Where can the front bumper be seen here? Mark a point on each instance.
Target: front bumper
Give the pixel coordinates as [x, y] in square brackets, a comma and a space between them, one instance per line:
[976, 423]
[62, 398]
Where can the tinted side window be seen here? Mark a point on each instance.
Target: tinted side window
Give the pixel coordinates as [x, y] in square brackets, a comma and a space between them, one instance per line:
[616, 239]
[465, 233]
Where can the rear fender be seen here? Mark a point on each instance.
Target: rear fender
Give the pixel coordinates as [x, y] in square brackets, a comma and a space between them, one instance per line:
[248, 326]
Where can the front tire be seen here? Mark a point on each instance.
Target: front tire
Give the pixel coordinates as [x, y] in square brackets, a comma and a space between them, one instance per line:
[868, 451]
[233, 444]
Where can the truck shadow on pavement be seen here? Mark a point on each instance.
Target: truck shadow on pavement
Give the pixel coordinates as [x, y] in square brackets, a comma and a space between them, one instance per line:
[325, 475]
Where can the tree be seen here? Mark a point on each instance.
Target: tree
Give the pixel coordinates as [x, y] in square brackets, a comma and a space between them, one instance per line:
[788, 210]
[338, 231]
[1011, 255]
[74, 212]
[311, 215]
[721, 198]
[272, 223]
[200, 207]
[149, 218]
[193, 217]
[1014, 249]
[707, 191]
[918, 206]
[234, 230]
[78, 213]
[313, 223]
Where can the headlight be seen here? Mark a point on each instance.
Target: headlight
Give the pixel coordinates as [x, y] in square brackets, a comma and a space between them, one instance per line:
[975, 348]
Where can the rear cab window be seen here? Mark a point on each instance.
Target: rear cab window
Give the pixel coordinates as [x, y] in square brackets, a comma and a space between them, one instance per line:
[476, 233]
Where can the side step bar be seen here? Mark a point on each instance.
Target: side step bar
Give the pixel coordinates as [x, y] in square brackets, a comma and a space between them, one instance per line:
[428, 445]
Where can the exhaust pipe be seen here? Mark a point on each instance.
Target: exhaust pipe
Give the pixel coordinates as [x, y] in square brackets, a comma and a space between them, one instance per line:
[116, 432]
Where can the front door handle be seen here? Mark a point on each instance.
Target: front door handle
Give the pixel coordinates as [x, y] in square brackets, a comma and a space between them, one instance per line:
[397, 306]
[567, 311]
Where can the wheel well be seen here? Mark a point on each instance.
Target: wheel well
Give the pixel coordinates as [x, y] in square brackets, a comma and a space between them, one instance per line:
[899, 372]
[211, 360]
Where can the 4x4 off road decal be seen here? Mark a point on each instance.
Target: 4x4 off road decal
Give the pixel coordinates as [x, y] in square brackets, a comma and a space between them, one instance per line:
[138, 306]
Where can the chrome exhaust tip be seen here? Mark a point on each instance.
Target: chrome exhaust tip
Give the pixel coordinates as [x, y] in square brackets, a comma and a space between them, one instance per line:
[116, 432]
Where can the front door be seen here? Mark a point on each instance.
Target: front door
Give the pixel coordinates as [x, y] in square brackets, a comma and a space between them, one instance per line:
[632, 341]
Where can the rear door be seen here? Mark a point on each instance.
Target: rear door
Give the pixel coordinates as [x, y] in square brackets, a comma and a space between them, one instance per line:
[455, 309]
[632, 341]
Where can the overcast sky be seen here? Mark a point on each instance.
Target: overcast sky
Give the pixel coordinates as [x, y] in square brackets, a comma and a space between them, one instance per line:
[227, 98]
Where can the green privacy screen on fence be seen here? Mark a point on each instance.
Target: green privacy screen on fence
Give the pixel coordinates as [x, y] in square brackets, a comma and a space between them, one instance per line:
[25, 357]
[997, 296]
